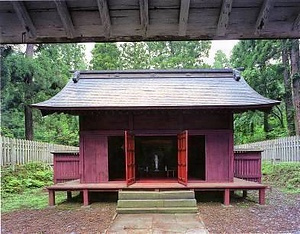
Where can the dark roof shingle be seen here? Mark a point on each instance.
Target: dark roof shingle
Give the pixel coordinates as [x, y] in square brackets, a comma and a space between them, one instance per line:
[151, 89]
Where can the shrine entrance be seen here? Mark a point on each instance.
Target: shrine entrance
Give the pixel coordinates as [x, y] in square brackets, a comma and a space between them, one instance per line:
[156, 157]
[153, 158]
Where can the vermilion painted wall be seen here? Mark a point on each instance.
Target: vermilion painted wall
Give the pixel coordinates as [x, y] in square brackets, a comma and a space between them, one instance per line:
[216, 126]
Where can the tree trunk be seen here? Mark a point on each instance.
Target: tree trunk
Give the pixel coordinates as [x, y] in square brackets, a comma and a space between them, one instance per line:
[28, 96]
[295, 74]
[266, 125]
[288, 90]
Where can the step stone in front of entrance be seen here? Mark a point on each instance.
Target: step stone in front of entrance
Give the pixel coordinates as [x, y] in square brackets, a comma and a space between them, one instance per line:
[156, 202]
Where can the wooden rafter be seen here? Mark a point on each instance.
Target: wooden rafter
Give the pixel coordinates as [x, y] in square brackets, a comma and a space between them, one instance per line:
[104, 15]
[263, 16]
[296, 24]
[183, 17]
[25, 19]
[224, 17]
[144, 14]
[65, 17]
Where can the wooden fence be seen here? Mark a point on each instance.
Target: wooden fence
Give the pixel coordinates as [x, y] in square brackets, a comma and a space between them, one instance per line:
[17, 151]
[285, 149]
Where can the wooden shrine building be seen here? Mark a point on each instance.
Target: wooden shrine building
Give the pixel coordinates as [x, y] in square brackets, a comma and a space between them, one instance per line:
[156, 129]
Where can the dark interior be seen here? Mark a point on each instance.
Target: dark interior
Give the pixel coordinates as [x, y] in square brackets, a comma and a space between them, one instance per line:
[156, 157]
[165, 149]
[116, 158]
[196, 159]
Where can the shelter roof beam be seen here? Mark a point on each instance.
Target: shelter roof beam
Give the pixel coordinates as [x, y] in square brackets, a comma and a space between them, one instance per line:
[263, 16]
[296, 25]
[25, 18]
[104, 16]
[183, 17]
[224, 17]
[144, 15]
[65, 17]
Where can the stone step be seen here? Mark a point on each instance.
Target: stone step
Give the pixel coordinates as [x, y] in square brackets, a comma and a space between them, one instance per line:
[157, 203]
[148, 195]
[170, 210]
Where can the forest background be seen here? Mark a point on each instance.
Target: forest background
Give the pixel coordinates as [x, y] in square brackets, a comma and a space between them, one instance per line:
[271, 67]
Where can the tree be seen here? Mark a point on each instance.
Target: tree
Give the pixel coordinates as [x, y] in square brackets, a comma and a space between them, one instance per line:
[220, 60]
[28, 96]
[105, 56]
[49, 71]
[164, 54]
[288, 98]
[295, 74]
[263, 71]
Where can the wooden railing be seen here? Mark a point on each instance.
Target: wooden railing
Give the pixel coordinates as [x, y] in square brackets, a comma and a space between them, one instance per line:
[285, 149]
[17, 151]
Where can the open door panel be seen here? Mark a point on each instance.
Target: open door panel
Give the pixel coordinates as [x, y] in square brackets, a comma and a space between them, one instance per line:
[130, 158]
[183, 157]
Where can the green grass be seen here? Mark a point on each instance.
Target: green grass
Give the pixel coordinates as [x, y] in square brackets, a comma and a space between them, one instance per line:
[23, 186]
[29, 199]
[285, 175]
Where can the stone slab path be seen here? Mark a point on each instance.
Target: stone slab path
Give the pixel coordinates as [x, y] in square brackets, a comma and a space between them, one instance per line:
[157, 223]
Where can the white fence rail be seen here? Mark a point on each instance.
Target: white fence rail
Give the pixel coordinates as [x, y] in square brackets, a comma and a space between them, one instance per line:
[17, 151]
[285, 149]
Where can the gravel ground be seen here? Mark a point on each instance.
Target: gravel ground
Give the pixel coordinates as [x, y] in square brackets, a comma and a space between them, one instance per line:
[282, 214]
[64, 218]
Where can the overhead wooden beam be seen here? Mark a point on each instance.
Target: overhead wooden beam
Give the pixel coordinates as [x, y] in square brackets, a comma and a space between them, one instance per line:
[24, 18]
[144, 14]
[263, 16]
[296, 24]
[224, 17]
[183, 17]
[104, 16]
[65, 17]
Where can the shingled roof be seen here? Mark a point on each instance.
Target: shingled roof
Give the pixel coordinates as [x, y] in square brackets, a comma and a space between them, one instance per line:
[156, 89]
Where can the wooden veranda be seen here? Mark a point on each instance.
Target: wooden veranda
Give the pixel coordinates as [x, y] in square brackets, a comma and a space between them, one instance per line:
[115, 186]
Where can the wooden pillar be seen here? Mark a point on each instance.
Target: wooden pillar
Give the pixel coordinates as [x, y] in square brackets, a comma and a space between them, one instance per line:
[51, 197]
[85, 197]
[69, 195]
[262, 196]
[244, 193]
[227, 197]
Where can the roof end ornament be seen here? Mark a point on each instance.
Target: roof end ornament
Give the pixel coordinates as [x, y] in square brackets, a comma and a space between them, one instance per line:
[76, 76]
[237, 73]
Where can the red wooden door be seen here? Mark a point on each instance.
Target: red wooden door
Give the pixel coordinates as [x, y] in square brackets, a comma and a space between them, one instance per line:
[130, 158]
[183, 157]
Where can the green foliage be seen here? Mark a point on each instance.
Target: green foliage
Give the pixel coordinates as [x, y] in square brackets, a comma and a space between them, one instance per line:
[22, 177]
[285, 175]
[50, 68]
[263, 72]
[106, 56]
[221, 60]
[147, 55]
[164, 54]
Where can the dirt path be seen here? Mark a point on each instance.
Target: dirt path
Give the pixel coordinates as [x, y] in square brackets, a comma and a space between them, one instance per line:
[280, 215]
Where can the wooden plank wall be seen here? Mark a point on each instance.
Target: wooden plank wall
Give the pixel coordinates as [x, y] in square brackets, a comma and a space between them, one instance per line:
[285, 149]
[247, 165]
[93, 158]
[66, 167]
[216, 127]
[18, 151]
